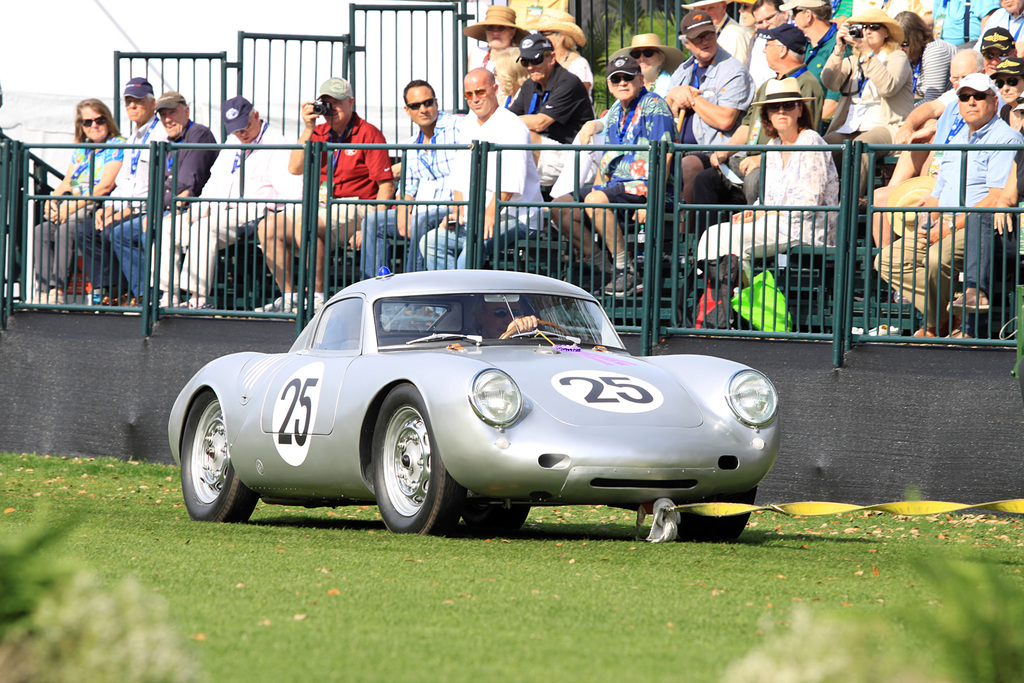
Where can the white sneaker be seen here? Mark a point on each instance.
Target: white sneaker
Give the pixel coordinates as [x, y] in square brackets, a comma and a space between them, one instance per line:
[275, 306]
[55, 296]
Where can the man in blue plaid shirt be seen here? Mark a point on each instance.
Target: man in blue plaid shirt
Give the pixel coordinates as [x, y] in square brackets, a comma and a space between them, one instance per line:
[427, 178]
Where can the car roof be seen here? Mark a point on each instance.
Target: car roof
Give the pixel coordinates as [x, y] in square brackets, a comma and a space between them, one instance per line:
[460, 282]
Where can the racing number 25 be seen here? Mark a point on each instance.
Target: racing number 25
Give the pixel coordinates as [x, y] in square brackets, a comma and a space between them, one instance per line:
[299, 397]
[599, 384]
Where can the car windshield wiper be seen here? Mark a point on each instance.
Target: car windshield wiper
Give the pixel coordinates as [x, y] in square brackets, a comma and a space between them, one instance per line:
[546, 333]
[440, 336]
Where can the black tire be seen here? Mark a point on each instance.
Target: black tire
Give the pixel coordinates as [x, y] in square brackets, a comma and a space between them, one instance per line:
[698, 528]
[415, 493]
[212, 490]
[484, 515]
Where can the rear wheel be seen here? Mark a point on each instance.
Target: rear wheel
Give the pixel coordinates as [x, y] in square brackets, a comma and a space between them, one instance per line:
[415, 493]
[212, 490]
[700, 528]
[482, 515]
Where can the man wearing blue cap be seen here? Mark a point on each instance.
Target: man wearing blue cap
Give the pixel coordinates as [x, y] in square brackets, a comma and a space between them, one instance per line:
[132, 181]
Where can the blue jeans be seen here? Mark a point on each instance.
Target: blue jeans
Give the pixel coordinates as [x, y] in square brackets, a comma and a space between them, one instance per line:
[99, 255]
[445, 248]
[129, 239]
[379, 226]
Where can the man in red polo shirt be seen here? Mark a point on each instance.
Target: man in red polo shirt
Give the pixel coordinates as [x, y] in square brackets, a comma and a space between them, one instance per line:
[359, 174]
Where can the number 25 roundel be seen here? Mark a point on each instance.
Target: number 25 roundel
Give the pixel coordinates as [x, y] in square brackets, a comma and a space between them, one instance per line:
[295, 409]
[608, 391]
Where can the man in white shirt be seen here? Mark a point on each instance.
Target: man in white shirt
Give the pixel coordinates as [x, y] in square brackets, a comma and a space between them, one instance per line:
[237, 174]
[487, 121]
[132, 183]
[768, 14]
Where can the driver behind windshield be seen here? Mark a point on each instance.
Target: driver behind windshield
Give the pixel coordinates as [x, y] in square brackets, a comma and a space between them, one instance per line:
[496, 322]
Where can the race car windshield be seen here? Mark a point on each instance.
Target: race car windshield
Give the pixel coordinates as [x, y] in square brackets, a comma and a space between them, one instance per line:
[504, 318]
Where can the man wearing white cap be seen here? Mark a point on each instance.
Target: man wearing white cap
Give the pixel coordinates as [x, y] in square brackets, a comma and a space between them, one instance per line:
[920, 265]
[732, 37]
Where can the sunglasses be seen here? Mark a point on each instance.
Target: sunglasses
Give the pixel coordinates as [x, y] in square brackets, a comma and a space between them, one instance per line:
[976, 96]
[989, 54]
[415, 106]
[873, 27]
[647, 52]
[1011, 81]
[476, 94]
[532, 62]
[615, 79]
[98, 121]
[780, 106]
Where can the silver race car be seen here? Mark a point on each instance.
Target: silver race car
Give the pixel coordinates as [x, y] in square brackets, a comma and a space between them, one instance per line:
[473, 395]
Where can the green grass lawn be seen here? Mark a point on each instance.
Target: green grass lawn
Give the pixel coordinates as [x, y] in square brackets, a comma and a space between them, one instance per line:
[330, 594]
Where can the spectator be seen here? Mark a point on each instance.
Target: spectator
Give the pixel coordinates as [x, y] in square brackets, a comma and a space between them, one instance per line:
[91, 173]
[790, 179]
[912, 163]
[784, 47]
[876, 83]
[553, 104]
[510, 74]
[1010, 18]
[95, 240]
[711, 90]
[657, 61]
[487, 121]
[185, 175]
[1009, 78]
[731, 36]
[638, 117]
[356, 174]
[929, 58]
[814, 18]
[767, 15]
[498, 29]
[920, 265]
[560, 28]
[996, 44]
[239, 174]
[427, 178]
[948, 19]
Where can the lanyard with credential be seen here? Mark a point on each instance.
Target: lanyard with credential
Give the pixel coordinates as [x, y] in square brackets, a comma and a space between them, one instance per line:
[170, 157]
[956, 127]
[238, 154]
[824, 39]
[534, 104]
[137, 154]
[617, 134]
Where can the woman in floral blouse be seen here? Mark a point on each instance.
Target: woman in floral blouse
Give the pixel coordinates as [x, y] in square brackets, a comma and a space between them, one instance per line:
[92, 173]
[637, 117]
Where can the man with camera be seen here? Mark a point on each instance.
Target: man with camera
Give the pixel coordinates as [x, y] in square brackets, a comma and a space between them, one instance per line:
[347, 176]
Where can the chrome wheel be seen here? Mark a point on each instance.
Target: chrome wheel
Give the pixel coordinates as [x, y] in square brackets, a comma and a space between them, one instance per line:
[210, 457]
[407, 461]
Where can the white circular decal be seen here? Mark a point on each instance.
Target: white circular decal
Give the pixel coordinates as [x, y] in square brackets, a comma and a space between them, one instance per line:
[295, 411]
[608, 391]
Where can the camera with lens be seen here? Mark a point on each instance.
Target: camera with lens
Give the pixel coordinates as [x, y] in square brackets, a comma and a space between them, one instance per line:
[321, 108]
[856, 31]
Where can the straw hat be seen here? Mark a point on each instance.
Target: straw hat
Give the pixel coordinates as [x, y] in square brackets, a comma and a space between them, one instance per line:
[784, 90]
[877, 16]
[497, 15]
[909, 193]
[557, 20]
[673, 56]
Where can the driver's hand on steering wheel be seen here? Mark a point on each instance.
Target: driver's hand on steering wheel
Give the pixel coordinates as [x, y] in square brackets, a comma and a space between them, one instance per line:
[525, 323]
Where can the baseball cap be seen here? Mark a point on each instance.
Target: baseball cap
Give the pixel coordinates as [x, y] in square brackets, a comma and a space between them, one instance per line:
[979, 82]
[534, 46]
[338, 88]
[789, 35]
[1011, 65]
[138, 87]
[997, 38]
[235, 112]
[802, 4]
[694, 23]
[623, 65]
[170, 100]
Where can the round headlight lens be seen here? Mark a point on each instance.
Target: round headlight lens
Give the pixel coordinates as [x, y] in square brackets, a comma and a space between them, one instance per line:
[495, 397]
[753, 398]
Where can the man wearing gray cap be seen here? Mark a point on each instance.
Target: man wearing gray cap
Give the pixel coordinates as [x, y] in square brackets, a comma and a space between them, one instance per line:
[345, 174]
[252, 173]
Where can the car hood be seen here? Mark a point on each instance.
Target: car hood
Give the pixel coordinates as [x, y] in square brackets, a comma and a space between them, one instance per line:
[594, 389]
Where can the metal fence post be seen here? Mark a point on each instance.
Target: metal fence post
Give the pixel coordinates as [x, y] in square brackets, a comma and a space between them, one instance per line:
[650, 316]
[152, 238]
[846, 235]
[310, 227]
[5, 223]
[477, 207]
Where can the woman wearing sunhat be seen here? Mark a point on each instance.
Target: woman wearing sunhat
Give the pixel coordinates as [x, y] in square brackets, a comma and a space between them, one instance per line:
[560, 28]
[875, 83]
[657, 61]
[790, 179]
[499, 30]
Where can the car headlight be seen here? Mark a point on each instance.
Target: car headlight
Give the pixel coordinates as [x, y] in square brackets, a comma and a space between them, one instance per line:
[495, 398]
[753, 398]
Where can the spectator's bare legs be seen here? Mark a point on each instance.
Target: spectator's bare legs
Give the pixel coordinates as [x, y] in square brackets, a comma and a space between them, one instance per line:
[690, 166]
[570, 223]
[603, 222]
[276, 234]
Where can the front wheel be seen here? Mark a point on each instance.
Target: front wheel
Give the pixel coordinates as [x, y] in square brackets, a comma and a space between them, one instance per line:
[415, 493]
[212, 490]
[700, 528]
[483, 515]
